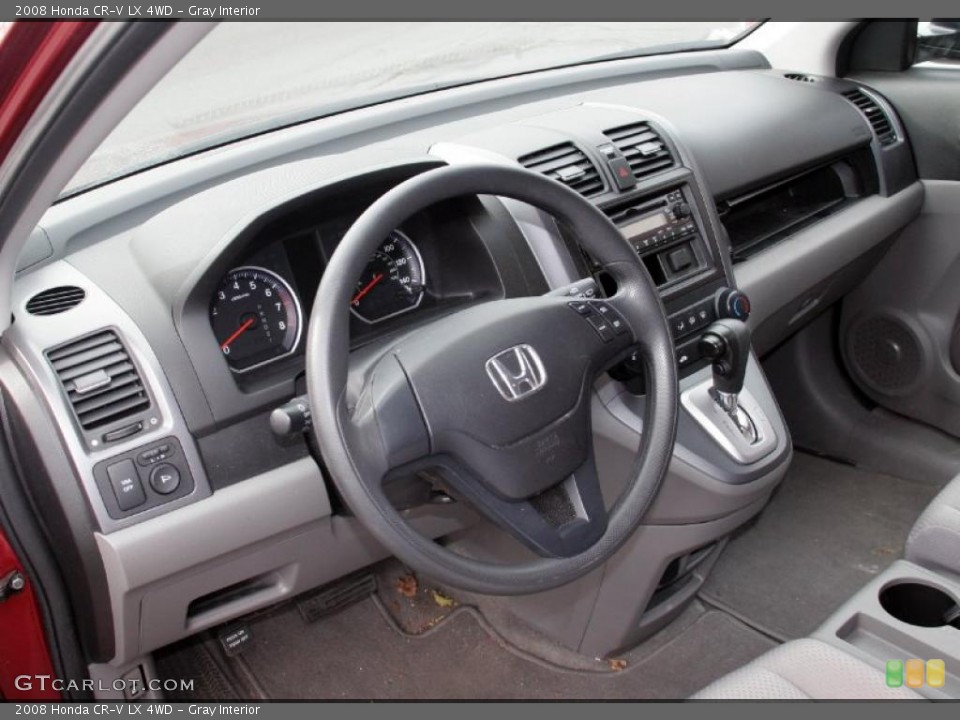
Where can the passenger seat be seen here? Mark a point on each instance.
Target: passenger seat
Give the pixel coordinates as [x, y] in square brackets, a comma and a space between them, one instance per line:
[805, 669]
[934, 541]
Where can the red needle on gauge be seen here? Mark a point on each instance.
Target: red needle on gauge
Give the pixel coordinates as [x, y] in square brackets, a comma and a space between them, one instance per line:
[239, 331]
[367, 288]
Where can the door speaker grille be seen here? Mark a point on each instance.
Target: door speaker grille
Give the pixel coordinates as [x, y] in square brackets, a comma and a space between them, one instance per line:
[886, 353]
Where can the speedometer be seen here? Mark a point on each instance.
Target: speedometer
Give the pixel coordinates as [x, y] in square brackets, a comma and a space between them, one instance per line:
[256, 318]
[393, 282]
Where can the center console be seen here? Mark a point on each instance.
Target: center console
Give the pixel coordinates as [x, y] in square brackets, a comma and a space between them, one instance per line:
[669, 233]
[706, 316]
[905, 622]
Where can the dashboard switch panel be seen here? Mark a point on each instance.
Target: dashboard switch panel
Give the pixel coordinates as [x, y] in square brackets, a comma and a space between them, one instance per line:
[143, 478]
[127, 488]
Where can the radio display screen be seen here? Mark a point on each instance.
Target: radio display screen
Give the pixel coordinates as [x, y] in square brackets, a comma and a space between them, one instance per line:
[645, 225]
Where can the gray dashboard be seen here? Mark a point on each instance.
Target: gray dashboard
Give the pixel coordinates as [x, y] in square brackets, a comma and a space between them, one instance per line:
[149, 250]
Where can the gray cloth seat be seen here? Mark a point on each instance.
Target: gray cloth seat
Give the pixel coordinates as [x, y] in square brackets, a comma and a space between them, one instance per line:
[805, 670]
[934, 541]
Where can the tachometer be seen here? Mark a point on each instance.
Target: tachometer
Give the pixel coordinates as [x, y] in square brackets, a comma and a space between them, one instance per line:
[393, 282]
[256, 318]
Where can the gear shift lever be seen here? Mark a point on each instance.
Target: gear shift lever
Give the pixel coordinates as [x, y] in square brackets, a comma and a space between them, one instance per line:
[727, 343]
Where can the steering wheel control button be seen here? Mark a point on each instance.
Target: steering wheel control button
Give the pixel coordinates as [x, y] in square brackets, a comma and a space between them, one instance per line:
[606, 321]
[581, 289]
[607, 312]
[165, 479]
[602, 326]
[126, 485]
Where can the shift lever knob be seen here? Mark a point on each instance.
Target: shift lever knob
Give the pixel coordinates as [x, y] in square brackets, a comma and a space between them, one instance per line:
[727, 343]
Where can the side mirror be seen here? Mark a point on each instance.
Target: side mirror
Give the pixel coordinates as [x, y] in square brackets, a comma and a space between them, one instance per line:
[938, 40]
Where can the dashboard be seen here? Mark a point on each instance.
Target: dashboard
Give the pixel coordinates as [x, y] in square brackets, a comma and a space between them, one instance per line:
[203, 276]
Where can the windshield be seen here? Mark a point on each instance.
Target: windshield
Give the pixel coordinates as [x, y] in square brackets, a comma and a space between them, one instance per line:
[246, 78]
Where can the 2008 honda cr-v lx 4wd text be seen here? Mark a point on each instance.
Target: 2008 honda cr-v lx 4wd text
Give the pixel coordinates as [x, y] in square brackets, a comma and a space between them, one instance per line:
[480, 360]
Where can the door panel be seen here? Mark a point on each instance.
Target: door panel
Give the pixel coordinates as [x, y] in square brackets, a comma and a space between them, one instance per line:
[900, 329]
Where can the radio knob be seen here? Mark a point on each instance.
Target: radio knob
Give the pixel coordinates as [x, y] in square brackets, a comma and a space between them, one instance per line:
[680, 211]
[733, 304]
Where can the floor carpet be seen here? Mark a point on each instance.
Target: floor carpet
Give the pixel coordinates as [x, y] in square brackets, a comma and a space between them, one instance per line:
[827, 531]
[360, 653]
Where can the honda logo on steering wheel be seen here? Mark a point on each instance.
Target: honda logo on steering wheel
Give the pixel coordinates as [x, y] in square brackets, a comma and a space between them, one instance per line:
[517, 372]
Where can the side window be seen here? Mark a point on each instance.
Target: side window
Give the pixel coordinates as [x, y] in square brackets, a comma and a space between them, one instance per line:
[938, 42]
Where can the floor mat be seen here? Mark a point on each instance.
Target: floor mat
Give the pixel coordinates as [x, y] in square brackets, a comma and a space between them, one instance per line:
[828, 530]
[360, 653]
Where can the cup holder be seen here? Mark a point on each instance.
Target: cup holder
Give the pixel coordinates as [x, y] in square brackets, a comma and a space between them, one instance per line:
[920, 605]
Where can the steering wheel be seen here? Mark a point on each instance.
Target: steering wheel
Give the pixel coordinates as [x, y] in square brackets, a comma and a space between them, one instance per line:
[494, 398]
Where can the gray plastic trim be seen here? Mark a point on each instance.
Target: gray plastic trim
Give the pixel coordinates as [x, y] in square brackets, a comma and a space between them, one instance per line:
[784, 272]
[275, 527]
[864, 629]
[702, 407]
[714, 482]
[915, 284]
[31, 335]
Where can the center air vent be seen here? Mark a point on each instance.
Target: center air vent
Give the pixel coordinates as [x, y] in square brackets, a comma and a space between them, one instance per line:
[568, 164]
[99, 378]
[55, 300]
[882, 127]
[644, 149]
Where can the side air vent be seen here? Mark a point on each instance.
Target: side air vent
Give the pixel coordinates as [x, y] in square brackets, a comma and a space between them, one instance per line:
[100, 379]
[55, 300]
[882, 127]
[643, 148]
[800, 77]
[568, 164]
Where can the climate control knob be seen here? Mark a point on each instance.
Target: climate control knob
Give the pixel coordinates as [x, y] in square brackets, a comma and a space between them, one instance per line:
[733, 304]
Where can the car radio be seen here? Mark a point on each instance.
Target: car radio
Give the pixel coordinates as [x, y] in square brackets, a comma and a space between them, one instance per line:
[665, 233]
[657, 222]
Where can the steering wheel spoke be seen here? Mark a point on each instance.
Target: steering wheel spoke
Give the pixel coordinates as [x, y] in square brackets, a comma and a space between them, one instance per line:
[383, 425]
[561, 521]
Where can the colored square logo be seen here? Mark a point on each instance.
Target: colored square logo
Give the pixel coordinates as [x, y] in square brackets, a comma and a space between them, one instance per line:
[936, 673]
[914, 673]
[894, 673]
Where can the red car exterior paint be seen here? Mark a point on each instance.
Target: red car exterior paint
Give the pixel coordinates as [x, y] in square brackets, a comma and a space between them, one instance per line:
[23, 646]
[32, 57]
